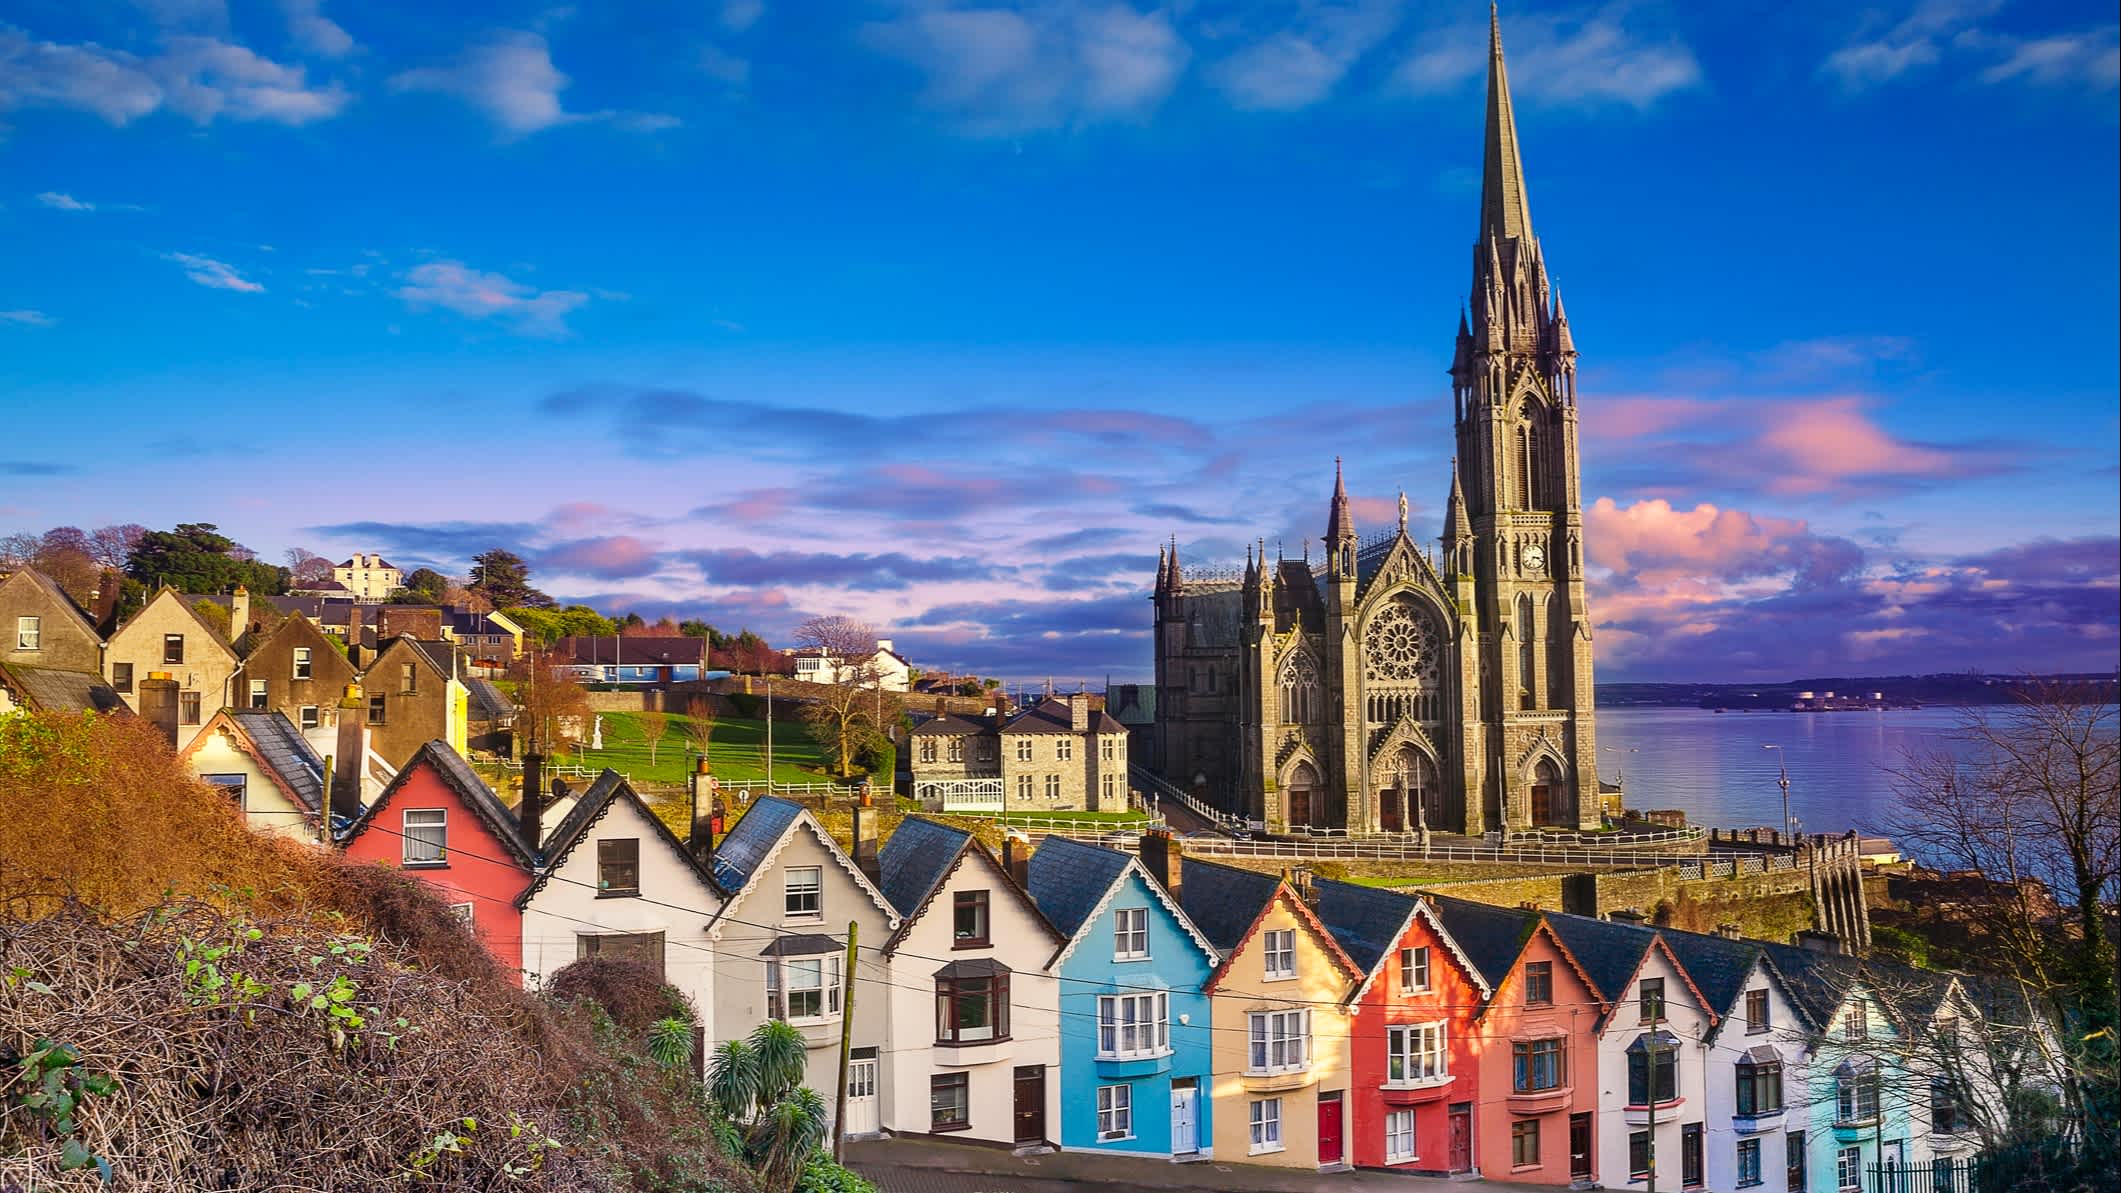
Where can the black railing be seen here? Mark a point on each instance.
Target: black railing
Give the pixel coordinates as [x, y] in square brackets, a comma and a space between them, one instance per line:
[1940, 1175]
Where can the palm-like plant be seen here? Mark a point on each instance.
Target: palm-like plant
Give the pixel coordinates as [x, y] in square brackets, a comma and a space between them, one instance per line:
[757, 1083]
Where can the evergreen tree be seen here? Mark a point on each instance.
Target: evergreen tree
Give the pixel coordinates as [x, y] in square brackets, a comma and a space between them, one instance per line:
[196, 557]
[503, 578]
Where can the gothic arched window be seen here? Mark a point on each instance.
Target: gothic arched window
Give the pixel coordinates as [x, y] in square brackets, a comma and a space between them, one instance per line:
[1300, 703]
[1403, 647]
[1527, 652]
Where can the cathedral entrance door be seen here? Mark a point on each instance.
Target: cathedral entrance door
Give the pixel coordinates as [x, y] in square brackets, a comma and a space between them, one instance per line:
[1542, 804]
[1391, 800]
[1299, 809]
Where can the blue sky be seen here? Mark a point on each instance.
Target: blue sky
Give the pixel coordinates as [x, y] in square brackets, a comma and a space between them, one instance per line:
[945, 314]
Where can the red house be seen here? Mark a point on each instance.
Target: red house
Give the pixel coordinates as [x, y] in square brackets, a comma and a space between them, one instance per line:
[1415, 1075]
[438, 820]
[1536, 1046]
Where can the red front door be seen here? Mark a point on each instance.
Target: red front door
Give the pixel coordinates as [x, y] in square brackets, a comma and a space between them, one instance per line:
[1462, 1137]
[1328, 1129]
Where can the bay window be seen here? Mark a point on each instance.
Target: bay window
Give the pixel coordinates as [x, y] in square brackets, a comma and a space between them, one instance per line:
[972, 1002]
[1415, 1053]
[1759, 1086]
[1539, 1065]
[1133, 1025]
[1653, 1068]
[1281, 1041]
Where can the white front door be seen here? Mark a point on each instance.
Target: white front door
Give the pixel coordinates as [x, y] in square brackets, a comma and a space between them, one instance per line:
[1185, 1120]
[861, 1094]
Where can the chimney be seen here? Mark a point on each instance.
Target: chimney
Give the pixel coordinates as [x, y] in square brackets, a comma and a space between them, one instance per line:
[1817, 942]
[1300, 878]
[1079, 713]
[103, 604]
[158, 704]
[350, 760]
[1626, 915]
[238, 614]
[1016, 858]
[530, 813]
[1730, 931]
[1162, 857]
[865, 838]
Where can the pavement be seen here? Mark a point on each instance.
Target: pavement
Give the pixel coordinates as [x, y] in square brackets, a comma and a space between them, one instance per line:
[935, 1166]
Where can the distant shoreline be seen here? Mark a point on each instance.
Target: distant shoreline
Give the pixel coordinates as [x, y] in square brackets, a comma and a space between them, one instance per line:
[1893, 692]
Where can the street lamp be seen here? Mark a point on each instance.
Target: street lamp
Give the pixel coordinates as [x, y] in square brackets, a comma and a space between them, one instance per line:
[1782, 764]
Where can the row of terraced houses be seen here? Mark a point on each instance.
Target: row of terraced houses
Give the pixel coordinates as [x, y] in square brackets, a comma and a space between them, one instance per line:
[1085, 997]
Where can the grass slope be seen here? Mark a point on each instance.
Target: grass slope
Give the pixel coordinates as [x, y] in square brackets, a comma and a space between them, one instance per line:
[736, 751]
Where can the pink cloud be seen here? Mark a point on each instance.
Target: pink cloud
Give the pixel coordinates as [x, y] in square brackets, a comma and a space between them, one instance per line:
[1656, 538]
[1827, 443]
[1629, 418]
[613, 556]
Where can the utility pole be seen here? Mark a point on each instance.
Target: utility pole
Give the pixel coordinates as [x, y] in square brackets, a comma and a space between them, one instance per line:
[1650, 1180]
[1782, 764]
[839, 1095]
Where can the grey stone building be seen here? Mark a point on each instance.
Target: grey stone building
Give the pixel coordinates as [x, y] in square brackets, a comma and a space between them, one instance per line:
[1392, 686]
[1059, 755]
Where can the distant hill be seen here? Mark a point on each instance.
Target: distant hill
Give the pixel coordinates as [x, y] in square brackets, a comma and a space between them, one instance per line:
[1897, 691]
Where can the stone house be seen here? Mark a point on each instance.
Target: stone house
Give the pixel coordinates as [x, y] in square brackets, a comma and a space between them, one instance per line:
[40, 626]
[296, 669]
[780, 942]
[1057, 755]
[411, 695]
[974, 1039]
[168, 635]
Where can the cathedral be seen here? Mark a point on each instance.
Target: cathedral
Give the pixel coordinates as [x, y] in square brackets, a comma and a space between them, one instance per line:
[1391, 688]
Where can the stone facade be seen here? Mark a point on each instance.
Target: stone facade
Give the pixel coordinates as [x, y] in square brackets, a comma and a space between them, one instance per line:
[297, 670]
[410, 697]
[41, 627]
[168, 635]
[1057, 755]
[1389, 686]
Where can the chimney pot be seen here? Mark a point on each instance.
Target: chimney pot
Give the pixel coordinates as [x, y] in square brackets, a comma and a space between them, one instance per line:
[1162, 856]
[865, 833]
[1016, 858]
[530, 813]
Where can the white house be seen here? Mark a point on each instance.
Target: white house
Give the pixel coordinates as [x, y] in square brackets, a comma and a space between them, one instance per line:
[886, 668]
[370, 578]
[780, 944]
[1754, 1063]
[616, 883]
[1652, 1104]
[262, 763]
[974, 1043]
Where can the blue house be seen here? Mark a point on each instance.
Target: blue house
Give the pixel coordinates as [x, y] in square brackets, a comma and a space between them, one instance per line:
[1135, 1028]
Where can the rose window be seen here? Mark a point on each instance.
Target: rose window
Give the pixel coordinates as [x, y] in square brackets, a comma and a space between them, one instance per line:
[1401, 644]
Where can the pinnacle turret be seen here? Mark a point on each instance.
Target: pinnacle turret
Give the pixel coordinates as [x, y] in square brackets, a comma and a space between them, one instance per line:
[1456, 525]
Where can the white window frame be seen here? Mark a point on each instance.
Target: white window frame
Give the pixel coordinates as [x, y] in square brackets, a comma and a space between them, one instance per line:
[1053, 786]
[1023, 788]
[1856, 1022]
[1848, 1168]
[1278, 962]
[1399, 1136]
[1111, 788]
[818, 975]
[791, 892]
[1115, 1112]
[1106, 749]
[440, 821]
[29, 633]
[303, 662]
[465, 912]
[1264, 1115]
[1023, 749]
[1133, 1026]
[1415, 974]
[307, 717]
[260, 695]
[1130, 934]
[1422, 1052]
[1064, 749]
[1279, 1042]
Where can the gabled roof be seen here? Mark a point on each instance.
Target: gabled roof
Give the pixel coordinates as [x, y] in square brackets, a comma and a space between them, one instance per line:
[272, 741]
[1820, 982]
[1717, 966]
[1491, 936]
[951, 725]
[920, 857]
[1223, 901]
[184, 601]
[50, 689]
[608, 790]
[1051, 715]
[468, 788]
[1074, 881]
[1369, 922]
[488, 702]
[767, 827]
[1609, 951]
[51, 589]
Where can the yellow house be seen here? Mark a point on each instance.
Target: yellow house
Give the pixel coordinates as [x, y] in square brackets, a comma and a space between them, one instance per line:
[1280, 1054]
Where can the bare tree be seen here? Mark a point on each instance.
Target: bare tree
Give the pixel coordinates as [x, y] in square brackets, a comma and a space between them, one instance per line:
[2030, 796]
[697, 725]
[553, 710]
[653, 725]
[846, 641]
[849, 718]
[113, 545]
[306, 568]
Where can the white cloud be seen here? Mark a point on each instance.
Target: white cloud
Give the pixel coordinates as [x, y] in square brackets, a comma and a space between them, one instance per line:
[28, 318]
[455, 286]
[1301, 65]
[1916, 40]
[739, 15]
[314, 31]
[1000, 71]
[512, 79]
[204, 78]
[64, 202]
[2091, 59]
[214, 275]
[1940, 31]
[1577, 60]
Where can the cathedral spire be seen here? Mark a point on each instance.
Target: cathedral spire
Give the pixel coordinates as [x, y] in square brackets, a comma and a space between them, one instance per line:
[1504, 213]
[1455, 523]
[1340, 523]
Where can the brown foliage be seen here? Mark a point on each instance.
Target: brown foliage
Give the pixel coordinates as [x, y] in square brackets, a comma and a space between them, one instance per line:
[631, 992]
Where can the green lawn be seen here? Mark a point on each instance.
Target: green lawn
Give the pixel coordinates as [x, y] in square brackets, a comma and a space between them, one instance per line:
[1114, 818]
[737, 751]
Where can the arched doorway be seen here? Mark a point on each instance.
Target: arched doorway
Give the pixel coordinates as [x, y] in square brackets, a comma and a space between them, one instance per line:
[1549, 796]
[1302, 805]
[1412, 796]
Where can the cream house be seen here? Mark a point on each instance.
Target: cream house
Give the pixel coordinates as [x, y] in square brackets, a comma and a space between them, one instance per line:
[168, 635]
[616, 883]
[974, 1044]
[780, 943]
[370, 578]
[262, 763]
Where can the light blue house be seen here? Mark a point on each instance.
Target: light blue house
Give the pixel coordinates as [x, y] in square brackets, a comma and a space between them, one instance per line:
[1135, 1028]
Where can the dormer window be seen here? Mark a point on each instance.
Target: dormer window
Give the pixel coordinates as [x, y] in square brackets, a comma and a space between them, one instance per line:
[1538, 983]
[1414, 970]
[1280, 953]
[619, 866]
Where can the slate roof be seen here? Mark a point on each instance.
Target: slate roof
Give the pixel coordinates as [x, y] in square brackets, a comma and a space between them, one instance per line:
[1717, 966]
[951, 725]
[1223, 901]
[282, 747]
[1609, 951]
[1820, 980]
[469, 788]
[1491, 937]
[1132, 703]
[53, 690]
[743, 847]
[1051, 716]
[1364, 920]
[488, 702]
[633, 650]
[915, 859]
[1068, 878]
[607, 789]
[442, 655]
